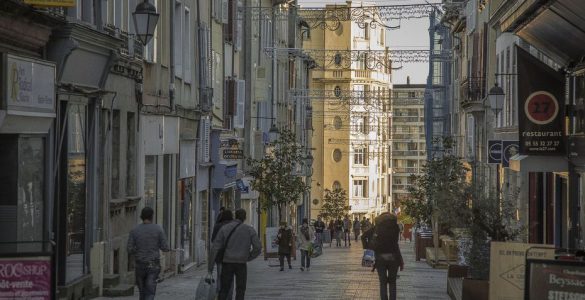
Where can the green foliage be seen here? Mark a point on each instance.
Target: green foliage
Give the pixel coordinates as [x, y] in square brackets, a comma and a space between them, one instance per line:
[442, 188]
[273, 175]
[334, 204]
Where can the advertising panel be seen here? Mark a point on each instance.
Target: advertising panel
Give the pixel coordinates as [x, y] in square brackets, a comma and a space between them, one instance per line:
[29, 84]
[494, 151]
[507, 268]
[555, 280]
[51, 3]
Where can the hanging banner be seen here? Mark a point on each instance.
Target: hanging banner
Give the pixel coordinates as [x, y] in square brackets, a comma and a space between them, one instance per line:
[509, 149]
[494, 151]
[541, 109]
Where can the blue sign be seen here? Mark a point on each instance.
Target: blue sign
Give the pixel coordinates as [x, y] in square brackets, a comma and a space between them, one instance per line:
[510, 148]
[231, 171]
[242, 186]
[494, 151]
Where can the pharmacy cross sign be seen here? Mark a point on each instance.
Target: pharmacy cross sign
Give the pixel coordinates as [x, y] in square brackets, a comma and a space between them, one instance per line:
[541, 107]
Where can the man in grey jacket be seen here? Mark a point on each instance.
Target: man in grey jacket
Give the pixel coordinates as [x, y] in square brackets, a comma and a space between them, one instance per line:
[242, 247]
[144, 242]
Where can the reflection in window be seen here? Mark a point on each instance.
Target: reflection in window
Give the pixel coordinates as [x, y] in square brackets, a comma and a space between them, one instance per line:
[76, 197]
[31, 172]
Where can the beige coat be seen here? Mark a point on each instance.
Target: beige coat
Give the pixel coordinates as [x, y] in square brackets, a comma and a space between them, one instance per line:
[302, 240]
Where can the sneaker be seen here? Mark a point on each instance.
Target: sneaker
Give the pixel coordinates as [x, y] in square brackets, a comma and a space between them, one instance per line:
[302, 269]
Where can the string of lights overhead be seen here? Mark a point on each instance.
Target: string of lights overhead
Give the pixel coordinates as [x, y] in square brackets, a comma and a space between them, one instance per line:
[332, 17]
[346, 59]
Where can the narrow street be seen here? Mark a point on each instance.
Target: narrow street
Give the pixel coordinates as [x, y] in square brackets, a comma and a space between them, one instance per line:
[337, 274]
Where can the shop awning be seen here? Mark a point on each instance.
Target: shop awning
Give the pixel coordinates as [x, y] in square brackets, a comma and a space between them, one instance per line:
[532, 163]
[558, 29]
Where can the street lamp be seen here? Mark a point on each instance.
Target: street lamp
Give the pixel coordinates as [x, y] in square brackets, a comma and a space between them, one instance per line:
[145, 20]
[273, 132]
[496, 97]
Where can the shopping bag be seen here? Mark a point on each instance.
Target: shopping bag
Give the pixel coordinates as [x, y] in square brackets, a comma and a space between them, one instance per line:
[368, 258]
[205, 289]
[317, 250]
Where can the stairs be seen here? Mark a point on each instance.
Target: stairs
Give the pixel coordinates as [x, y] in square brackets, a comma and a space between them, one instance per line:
[113, 288]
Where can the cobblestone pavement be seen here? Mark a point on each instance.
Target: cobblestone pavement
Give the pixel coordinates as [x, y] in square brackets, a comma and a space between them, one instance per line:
[337, 274]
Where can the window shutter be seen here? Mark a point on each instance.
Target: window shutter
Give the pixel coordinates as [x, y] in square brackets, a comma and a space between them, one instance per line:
[224, 11]
[240, 103]
[239, 27]
[229, 27]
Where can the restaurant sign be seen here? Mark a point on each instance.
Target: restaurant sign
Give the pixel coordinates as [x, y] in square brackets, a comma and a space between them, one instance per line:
[230, 149]
[29, 85]
[25, 277]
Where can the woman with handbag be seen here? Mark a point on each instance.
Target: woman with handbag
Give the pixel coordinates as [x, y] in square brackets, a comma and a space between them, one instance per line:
[306, 237]
[388, 257]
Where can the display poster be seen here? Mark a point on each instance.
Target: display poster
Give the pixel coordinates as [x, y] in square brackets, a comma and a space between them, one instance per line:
[507, 267]
[25, 277]
[271, 235]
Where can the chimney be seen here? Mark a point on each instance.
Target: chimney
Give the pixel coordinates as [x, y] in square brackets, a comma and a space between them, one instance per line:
[407, 80]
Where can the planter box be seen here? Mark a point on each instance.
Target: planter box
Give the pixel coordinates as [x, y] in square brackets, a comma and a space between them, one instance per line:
[474, 289]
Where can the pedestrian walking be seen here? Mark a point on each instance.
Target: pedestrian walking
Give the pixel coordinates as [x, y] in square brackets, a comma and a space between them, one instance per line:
[388, 256]
[401, 230]
[306, 236]
[346, 231]
[319, 228]
[236, 244]
[338, 231]
[284, 241]
[144, 242]
[356, 228]
[332, 231]
[225, 217]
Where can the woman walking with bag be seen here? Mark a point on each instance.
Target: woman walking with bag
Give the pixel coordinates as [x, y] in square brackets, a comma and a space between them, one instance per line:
[306, 237]
[388, 256]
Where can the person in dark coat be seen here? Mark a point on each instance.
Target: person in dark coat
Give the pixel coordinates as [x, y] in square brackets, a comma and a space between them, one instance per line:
[388, 256]
[331, 231]
[284, 239]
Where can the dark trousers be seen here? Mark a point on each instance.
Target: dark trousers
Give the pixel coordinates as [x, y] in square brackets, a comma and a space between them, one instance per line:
[228, 271]
[387, 272]
[346, 237]
[281, 258]
[356, 234]
[146, 275]
[305, 259]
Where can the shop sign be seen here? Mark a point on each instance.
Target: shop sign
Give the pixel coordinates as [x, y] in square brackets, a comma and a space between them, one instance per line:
[494, 151]
[242, 187]
[507, 267]
[509, 149]
[52, 3]
[555, 280]
[230, 149]
[29, 84]
[541, 91]
[25, 277]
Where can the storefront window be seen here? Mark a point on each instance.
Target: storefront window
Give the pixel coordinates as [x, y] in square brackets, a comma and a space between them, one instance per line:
[580, 104]
[150, 180]
[76, 192]
[31, 173]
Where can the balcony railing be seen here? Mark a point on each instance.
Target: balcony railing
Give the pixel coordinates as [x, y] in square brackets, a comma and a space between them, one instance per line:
[408, 170]
[396, 153]
[472, 89]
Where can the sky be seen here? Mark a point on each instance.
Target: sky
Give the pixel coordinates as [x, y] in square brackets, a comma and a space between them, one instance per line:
[412, 34]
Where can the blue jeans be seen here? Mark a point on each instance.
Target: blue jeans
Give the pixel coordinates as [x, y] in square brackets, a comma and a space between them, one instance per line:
[387, 272]
[305, 259]
[146, 276]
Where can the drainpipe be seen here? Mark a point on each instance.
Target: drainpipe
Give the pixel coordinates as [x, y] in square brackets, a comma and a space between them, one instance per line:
[172, 55]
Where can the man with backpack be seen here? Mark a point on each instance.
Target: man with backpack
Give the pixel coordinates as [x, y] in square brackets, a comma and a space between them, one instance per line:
[236, 244]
